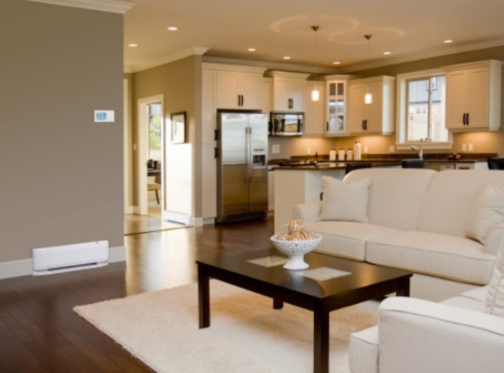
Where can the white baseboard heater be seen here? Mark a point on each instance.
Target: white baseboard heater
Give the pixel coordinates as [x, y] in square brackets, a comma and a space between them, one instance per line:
[57, 259]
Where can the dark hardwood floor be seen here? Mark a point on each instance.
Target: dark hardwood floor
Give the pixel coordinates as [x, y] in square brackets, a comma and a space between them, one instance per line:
[39, 332]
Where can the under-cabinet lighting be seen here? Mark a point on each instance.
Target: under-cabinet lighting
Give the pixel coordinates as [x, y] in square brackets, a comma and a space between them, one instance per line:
[287, 57]
[172, 28]
[133, 45]
[251, 49]
[448, 41]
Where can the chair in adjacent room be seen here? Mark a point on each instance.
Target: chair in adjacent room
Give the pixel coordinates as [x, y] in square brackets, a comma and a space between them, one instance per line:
[495, 163]
[413, 163]
[356, 165]
[156, 185]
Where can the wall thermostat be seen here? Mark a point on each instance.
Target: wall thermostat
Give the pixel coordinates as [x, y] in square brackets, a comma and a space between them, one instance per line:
[104, 116]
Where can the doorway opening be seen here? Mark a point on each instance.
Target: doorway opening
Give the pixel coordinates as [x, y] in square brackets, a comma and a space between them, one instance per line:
[150, 177]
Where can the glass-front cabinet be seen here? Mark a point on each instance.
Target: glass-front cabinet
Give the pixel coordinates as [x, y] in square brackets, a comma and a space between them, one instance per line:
[336, 105]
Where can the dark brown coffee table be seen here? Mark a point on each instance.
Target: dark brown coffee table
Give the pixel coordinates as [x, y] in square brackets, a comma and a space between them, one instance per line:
[321, 295]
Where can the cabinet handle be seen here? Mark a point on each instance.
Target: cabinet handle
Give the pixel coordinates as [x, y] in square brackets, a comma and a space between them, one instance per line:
[365, 124]
[362, 124]
[467, 119]
[464, 119]
[243, 100]
[327, 126]
[239, 100]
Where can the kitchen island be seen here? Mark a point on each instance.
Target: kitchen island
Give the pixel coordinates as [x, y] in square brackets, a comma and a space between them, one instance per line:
[298, 184]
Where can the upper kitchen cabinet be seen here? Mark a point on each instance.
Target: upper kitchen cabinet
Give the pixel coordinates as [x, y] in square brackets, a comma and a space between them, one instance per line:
[238, 87]
[473, 95]
[314, 110]
[376, 118]
[288, 91]
[336, 105]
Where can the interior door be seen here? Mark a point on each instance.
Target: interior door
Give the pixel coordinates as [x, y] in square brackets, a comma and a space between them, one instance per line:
[234, 197]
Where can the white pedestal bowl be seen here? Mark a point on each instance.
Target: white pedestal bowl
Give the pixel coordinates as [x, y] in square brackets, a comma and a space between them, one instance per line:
[296, 250]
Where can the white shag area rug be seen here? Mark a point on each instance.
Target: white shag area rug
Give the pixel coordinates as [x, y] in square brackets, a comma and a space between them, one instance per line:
[246, 334]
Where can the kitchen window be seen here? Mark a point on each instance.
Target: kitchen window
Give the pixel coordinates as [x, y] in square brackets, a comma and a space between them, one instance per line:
[421, 110]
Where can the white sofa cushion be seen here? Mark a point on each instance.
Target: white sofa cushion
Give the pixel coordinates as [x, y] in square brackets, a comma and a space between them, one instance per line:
[449, 197]
[395, 195]
[495, 297]
[346, 239]
[486, 213]
[345, 201]
[440, 255]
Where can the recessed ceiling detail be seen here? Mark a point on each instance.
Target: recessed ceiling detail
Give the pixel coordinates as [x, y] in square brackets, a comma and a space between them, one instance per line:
[300, 25]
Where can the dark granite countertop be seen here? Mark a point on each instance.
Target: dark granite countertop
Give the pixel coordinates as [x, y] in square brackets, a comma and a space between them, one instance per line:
[334, 165]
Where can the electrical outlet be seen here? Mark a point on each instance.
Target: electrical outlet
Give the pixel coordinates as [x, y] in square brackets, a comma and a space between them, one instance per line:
[308, 150]
[464, 147]
[365, 149]
[470, 147]
[275, 149]
[391, 149]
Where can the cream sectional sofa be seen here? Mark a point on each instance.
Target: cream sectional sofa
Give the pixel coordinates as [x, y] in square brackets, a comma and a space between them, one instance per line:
[463, 334]
[418, 221]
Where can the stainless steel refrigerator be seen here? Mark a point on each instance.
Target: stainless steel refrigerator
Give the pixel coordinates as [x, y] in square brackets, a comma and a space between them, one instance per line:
[242, 158]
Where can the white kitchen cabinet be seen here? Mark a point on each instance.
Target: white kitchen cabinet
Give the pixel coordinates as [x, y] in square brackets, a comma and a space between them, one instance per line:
[376, 118]
[288, 91]
[237, 87]
[473, 93]
[336, 105]
[314, 110]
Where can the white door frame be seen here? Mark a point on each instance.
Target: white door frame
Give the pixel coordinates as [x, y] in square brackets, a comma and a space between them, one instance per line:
[143, 143]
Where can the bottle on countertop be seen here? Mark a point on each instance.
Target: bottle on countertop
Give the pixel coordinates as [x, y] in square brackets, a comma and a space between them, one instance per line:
[349, 154]
[357, 153]
[341, 155]
[332, 155]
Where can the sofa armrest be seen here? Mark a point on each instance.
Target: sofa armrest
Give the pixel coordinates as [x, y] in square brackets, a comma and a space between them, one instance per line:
[308, 211]
[494, 239]
[418, 336]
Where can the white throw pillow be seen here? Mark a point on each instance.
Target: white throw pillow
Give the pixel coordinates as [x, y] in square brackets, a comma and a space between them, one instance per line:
[487, 212]
[345, 201]
[495, 296]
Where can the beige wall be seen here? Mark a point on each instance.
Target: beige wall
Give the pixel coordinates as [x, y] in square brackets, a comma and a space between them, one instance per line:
[61, 173]
[180, 84]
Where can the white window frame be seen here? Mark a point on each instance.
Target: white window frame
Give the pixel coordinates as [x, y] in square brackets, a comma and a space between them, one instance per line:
[401, 108]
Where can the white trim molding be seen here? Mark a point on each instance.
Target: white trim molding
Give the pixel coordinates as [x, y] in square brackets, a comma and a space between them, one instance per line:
[111, 6]
[194, 51]
[24, 267]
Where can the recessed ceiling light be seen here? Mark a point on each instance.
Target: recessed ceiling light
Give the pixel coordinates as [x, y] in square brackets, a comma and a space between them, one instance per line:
[387, 53]
[336, 62]
[251, 49]
[286, 57]
[448, 41]
[172, 28]
[133, 45]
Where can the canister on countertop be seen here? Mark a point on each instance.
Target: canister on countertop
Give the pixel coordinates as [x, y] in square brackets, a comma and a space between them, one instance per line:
[357, 151]
[341, 155]
[349, 154]
[332, 155]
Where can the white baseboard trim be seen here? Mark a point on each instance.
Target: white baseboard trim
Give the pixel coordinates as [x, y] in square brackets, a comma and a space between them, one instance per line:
[208, 221]
[24, 267]
[197, 222]
[117, 254]
[16, 268]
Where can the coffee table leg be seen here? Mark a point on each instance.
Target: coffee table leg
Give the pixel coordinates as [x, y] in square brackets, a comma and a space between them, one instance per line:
[321, 341]
[203, 297]
[404, 291]
[277, 304]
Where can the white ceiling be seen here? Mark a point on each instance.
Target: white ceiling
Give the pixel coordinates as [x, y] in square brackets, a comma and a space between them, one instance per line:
[409, 29]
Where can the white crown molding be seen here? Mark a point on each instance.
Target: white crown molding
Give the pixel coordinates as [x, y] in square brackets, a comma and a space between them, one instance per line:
[272, 65]
[112, 6]
[422, 56]
[167, 59]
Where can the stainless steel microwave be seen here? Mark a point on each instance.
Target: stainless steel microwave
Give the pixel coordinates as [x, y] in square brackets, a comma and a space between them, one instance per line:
[286, 124]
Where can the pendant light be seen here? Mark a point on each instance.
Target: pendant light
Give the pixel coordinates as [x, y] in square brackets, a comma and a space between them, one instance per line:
[368, 97]
[315, 94]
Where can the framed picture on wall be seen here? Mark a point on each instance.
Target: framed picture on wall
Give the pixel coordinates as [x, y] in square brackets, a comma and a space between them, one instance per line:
[178, 126]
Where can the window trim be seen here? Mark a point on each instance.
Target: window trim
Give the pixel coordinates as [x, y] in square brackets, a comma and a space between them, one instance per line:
[401, 106]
